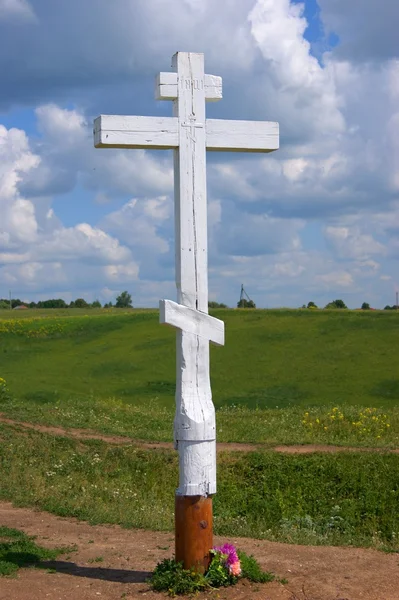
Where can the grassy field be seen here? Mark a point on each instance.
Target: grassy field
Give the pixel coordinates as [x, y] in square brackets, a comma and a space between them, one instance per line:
[278, 379]
[319, 499]
[271, 358]
[283, 377]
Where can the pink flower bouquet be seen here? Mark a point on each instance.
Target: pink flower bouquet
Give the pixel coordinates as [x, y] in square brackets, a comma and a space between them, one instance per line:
[231, 560]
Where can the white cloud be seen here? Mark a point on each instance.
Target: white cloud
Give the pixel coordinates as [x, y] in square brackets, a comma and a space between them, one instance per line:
[68, 157]
[17, 10]
[241, 234]
[82, 242]
[367, 29]
[336, 279]
[17, 214]
[336, 170]
[300, 86]
[122, 273]
[36, 250]
[137, 223]
[351, 243]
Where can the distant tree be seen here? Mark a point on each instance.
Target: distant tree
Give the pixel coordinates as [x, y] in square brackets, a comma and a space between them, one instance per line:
[53, 303]
[96, 304]
[336, 304]
[214, 304]
[15, 302]
[80, 303]
[365, 306]
[108, 305]
[32, 305]
[4, 304]
[246, 303]
[124, 300]
[312, 305]
[387, 307]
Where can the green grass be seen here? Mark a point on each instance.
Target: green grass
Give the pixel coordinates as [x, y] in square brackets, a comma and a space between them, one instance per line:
[169, 576]
[115, 371]
[283, 377]
[271, 358]
[318, 499]
[19, 550]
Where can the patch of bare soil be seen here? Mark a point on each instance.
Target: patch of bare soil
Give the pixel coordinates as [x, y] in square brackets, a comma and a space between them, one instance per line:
[114, 563]
[87, 434]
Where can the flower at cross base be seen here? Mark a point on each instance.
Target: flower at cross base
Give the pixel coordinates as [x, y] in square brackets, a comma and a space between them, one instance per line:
[232, 562]
[235, 569]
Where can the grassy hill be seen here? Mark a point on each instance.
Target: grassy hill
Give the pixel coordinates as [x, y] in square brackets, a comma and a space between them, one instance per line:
[271, 359]
[283, 377]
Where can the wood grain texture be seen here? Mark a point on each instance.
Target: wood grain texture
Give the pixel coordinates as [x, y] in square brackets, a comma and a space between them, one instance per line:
[166, 85]
[242, 136]
[113, 131]
[193, 531]
[194, 425]
[192, 321]
[155, 133]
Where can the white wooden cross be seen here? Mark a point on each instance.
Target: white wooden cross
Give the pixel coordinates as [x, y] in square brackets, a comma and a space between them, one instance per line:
[190, 134]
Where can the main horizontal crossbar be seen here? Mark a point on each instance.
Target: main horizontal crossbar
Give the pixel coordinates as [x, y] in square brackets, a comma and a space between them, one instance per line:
[191, 321]
[113, 131]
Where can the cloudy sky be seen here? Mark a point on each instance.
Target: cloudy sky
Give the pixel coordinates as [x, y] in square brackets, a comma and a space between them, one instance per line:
[316, 220]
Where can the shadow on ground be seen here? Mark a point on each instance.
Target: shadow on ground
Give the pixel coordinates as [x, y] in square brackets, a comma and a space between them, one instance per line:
[102, 573]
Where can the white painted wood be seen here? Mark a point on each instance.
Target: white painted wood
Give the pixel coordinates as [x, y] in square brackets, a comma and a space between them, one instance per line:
[113, 131]
[190, 135]
[242, 136]
[192, 321]
[166, 87]
[197, 457]
[195, 412]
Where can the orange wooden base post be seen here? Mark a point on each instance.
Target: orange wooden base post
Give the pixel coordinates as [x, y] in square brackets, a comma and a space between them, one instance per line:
[193, 531]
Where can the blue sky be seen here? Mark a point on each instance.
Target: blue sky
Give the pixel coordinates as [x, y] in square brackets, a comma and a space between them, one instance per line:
[317, 220]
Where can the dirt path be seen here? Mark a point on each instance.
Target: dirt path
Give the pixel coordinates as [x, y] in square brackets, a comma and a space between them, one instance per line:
[125, 558]
[87, 434]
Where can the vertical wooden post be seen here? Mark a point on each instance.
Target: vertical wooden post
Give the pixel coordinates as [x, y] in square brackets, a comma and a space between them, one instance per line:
[195, 435]
[193, 531]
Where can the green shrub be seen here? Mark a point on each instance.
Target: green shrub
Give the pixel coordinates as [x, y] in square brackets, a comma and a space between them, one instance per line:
[4, 392]
[170, 576]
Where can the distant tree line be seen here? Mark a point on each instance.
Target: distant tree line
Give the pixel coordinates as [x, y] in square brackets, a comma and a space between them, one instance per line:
[341, 304]
[333, 304]
[214, 304]
[124, 300]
